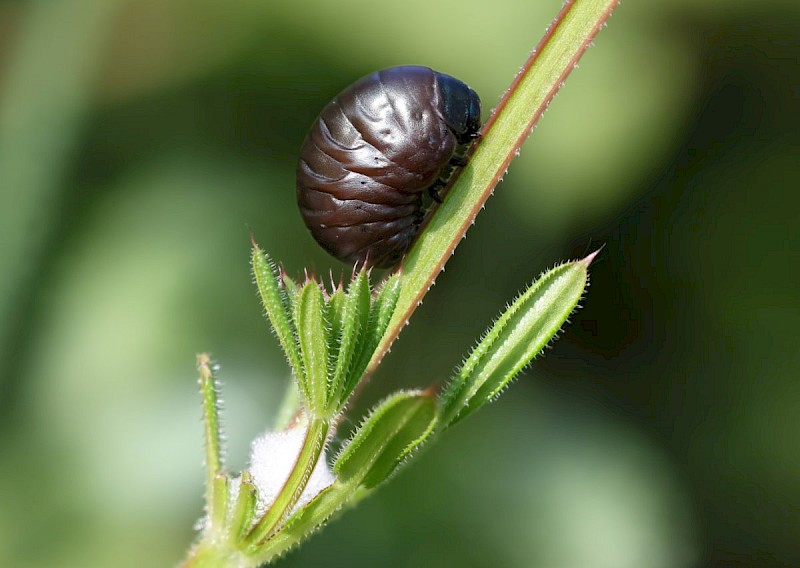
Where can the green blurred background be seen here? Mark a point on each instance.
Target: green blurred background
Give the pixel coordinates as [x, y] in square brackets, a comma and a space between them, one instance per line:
[139, 138]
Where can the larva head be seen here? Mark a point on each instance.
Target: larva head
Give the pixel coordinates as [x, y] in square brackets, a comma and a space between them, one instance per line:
[460, 107]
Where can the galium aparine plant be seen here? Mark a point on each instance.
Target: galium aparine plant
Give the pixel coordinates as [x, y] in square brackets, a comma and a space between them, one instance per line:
[333, 338]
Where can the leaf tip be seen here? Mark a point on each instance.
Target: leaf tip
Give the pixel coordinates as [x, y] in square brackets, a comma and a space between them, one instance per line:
[203, 360]
[588, 259]
[252, 237]
[432, 391]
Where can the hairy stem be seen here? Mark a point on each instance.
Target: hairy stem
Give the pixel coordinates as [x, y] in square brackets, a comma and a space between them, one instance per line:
[208, 390]
[534, 87]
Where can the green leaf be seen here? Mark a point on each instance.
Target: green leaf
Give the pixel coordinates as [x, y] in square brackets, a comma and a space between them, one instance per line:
[291, 290]
[520, 334]
[354, 320]
[385, 303]
[312, 335]
[275, 300]
[333, 316]
[379, 316]
[392, 431]
[243, 510]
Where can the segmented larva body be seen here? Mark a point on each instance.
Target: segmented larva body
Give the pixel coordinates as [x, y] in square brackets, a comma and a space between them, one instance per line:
[373, 151]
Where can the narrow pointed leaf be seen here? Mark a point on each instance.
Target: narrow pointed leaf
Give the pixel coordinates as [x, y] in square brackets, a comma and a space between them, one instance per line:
[392, 431]
[275, 301]
[313, 338]
[334, 308]
[243, 510]
[520, 334]
[333, 316]
[385, 304]
[354, 320]
[380, 314]
[291, 290]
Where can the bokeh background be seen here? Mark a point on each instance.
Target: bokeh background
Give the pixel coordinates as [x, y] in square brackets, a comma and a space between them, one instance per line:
[139, 138]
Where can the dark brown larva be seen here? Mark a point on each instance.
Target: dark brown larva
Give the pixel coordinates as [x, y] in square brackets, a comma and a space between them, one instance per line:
[373, 151]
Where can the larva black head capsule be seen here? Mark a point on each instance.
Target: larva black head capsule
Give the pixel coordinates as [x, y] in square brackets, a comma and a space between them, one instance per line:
[461, 107]
[372, 152]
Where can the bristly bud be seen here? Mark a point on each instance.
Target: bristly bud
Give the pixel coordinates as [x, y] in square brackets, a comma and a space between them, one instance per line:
[328, 337]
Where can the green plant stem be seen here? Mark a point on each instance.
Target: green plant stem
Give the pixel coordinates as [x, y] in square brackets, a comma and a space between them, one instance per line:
[326, 504]
[537, 83]
[290, 493]
[208, 391]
